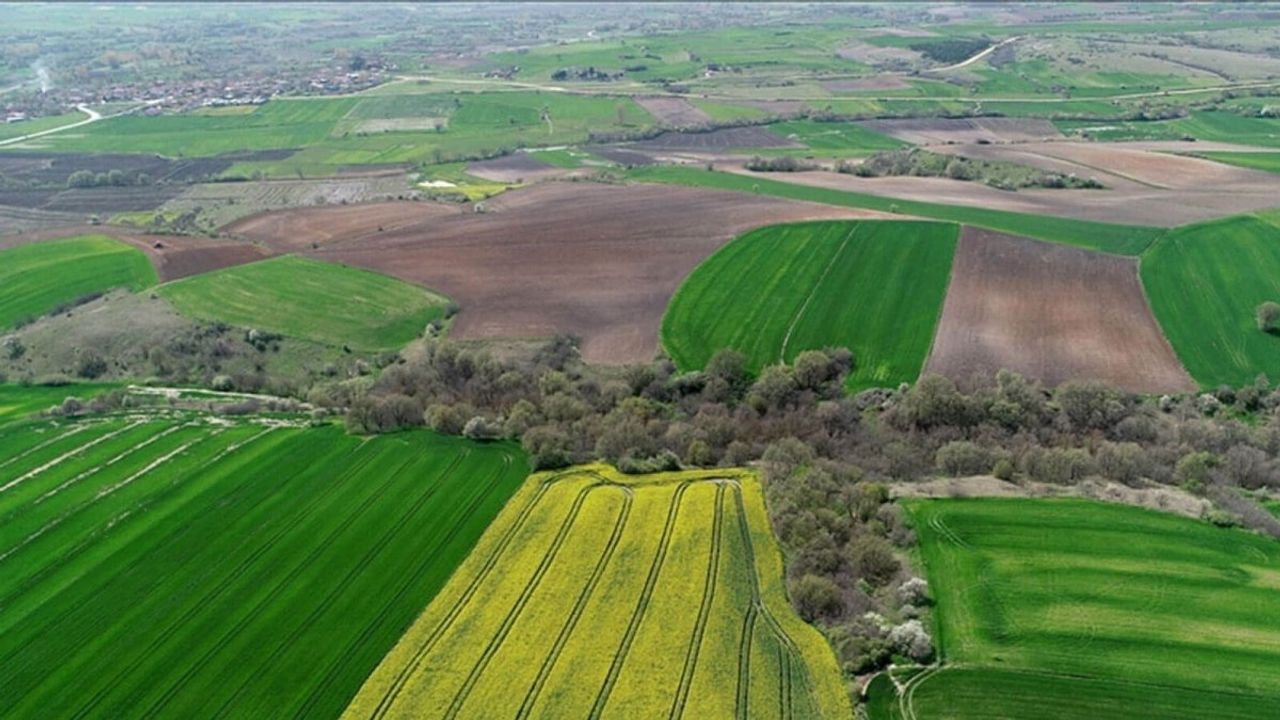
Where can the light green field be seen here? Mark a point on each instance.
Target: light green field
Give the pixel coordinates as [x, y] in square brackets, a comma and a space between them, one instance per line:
[40, 277]
[1218, 126]
[875, 287]
[1204, 283]
[596, 594]
[1265, 161]
[26, 127]
[1118, 239]
[17, 401]
[181, 567]
[840, 137]
[1073, 609]
[312, 300]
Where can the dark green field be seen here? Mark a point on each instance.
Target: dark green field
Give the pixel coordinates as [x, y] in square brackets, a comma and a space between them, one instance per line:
[875, 287]
[178, 567]
[1204, 283]
[1087, 610]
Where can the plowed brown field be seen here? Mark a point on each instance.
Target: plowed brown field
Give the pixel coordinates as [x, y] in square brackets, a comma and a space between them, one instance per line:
[1052, 313]
[598, 261]
[302, 228]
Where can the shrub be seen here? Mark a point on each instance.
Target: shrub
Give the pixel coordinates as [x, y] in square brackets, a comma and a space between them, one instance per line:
[911, 639]
[816, 597]
[872, 559]
[1268, 317]
[478, 428]
[962, 457]
[90, 365]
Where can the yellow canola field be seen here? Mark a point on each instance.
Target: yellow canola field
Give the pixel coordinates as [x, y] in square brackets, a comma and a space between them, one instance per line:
[601, 595]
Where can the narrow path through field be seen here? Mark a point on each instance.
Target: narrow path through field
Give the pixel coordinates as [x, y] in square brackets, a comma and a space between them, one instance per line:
[978, 56]
[786, 340]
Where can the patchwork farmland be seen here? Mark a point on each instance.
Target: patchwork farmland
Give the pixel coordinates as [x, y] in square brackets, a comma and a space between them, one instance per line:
[583, 600]
[36, 279]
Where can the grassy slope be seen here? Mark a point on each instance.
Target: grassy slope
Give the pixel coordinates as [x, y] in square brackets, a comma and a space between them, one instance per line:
[310, 299]
[1204, 282]
[875, 287]
[1118, 239]
[37, 278]
[249, 574]
[1265, 161]
[1096, 611]
[520, 623]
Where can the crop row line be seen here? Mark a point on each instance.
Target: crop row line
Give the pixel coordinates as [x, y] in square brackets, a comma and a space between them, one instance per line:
[78, 428]
[121, 573]
[409, 669]
[495, 642]
[222, 586]
[642, 603]
[285, 582]
[58, 520]
[742, 702]
[704, 610]
[99, 468]
[66, 456]
[340, 659]
[579, 606]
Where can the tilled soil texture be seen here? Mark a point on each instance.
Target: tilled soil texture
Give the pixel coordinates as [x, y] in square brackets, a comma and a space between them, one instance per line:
[53, 169]
[174, 256]
[1052, 313]
[515, 168]
[940, 131]
[597, 261]
[676, 112]
[316, 227]
[26, 219]
[623, 156]
[105, 201]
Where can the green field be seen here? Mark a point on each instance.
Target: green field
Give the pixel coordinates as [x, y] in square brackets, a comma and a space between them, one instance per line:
[596, 594]
[183, 566]
[875, 287]
[40, 277]
[1217, 125]
[1078, 609]
[1118, 239]
[1204, 282]
[18, 400]
[313, 300]
[1265, 161]
[26, 127]
[843, 138]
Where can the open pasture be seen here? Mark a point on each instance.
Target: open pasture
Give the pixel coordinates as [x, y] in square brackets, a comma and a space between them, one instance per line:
[1088, 610]
[312, 300]
[1264, 161]
[1052, 313]
[598, 261]
[1205, 282]
[875, 287]
[40, 277]
[176, 566]
[601, 595]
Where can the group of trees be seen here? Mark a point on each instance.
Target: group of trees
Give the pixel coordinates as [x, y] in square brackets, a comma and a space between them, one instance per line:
[111, 178]
[997, 174]
[828, 459]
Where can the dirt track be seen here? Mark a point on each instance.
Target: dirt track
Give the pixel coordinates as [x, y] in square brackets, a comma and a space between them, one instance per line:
[598, 261]
[1052, 313]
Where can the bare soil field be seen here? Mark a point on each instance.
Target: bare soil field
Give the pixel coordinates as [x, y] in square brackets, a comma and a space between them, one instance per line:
[1123, 202]
[876, 82]
[515, 168]
[677, 112]
[722, 139]
[298, 229]
[1052, 313]
[941, 131]
[25, 219]
[623, 156]
[598, 261]
[864, 52]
